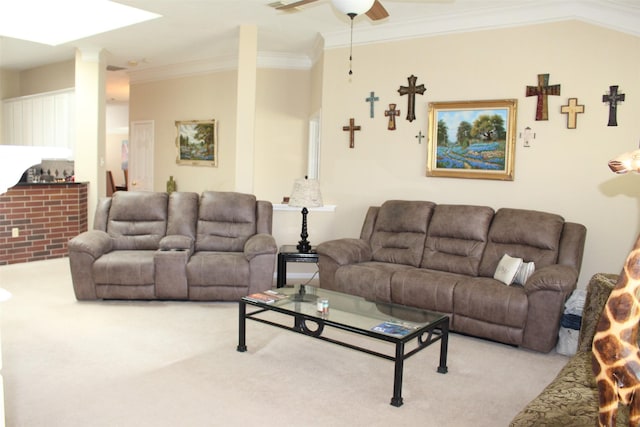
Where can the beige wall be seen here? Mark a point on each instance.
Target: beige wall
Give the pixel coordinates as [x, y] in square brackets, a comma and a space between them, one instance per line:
[282, 112]
[564, 171]
[47, 78]
[9, 84]
[202, 97]
[282, 104]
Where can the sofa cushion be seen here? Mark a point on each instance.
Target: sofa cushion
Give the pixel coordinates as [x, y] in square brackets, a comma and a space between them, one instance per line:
[218, 269]
[490, 301]
[456, 238]
[134, 228]
[371, 280]
[125, 267]
[226, 220]
[530, 235]
[400, 231]
[426, 289]
[182, 214]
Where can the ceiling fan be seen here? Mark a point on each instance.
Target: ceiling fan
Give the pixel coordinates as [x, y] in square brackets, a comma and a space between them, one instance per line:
[352, 8]
[372, 8]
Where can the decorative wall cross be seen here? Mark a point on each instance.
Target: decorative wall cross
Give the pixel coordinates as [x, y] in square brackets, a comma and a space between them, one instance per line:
[411, 91]
[392, 113]
[371, 99]
[542, 91]
[351, 129]
[420, 137]
[571, 110]
[613, 97]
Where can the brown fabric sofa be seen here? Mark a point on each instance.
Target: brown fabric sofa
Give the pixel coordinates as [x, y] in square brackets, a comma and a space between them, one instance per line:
[152, 245]
[443, 258]
[571, 399]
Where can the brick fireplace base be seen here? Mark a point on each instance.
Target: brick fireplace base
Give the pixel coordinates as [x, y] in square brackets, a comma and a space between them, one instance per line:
[44, 217]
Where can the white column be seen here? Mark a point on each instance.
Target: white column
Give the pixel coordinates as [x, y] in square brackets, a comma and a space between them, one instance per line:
[90, 150]
[246, 108]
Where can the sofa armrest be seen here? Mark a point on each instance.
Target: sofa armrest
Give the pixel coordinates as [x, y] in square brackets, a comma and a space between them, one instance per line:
[177, 243]
[84, 250]
[336, 253]
[559, 278]
[547, 290]
[346, 251]
[93, 242]
[260, 244]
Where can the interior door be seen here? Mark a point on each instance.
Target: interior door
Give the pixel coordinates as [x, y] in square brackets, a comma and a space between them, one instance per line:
[141, 143]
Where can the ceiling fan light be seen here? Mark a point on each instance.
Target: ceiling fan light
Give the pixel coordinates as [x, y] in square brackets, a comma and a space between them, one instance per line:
[353, 7]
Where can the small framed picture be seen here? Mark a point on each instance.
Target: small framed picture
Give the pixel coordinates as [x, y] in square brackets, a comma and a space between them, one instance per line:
[197, 143]
[472, 139]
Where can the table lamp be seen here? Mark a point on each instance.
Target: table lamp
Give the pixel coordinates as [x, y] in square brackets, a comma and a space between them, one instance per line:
[305, 194]
[626, 162]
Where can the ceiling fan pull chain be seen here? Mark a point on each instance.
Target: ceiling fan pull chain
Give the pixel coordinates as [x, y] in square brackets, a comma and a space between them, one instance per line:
[351, 15]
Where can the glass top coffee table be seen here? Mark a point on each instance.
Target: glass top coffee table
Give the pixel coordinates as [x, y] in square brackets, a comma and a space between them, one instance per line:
[392, 323]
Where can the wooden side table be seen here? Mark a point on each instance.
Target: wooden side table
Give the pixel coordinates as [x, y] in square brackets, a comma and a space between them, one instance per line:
[289, 253]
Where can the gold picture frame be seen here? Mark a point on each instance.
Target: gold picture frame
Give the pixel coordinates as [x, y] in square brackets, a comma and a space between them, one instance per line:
[197, 142]
[472, 139]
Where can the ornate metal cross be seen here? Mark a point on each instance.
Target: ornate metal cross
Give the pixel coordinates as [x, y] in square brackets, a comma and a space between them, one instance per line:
[371, 99]
[420, 137]
[613, 97]
[571, 110]
[392, 113]
[542, 91]
[351, 129]
[411, 91]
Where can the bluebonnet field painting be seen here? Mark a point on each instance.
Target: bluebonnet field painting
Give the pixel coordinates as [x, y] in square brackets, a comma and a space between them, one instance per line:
[472, 139]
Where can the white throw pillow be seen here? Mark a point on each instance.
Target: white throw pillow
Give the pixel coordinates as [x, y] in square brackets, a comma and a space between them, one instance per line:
[526, 269]
[507, 269]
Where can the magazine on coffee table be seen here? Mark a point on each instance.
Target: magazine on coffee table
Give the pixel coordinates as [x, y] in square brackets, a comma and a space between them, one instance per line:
[394, 328]
[266, 297]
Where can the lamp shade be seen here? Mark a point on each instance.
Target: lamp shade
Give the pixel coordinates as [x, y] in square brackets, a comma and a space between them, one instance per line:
[306, 194]
[353, 7]
[627, 162]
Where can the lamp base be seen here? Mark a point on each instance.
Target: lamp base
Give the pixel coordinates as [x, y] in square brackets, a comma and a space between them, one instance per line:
[303, 296]
[304, 246]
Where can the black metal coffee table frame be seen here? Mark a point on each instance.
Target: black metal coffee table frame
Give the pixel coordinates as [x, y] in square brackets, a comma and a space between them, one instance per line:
[425, 335]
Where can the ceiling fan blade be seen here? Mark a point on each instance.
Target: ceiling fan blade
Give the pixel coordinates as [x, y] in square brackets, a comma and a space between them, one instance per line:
[294, 4]
[377, 11]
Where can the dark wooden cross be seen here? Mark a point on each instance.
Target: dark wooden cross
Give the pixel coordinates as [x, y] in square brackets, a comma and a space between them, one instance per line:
[411, 91]
[420, 137]
[571, 110]
[351, 129]
[392, 113]
[542, 91]
[371, 99]
[613, 97]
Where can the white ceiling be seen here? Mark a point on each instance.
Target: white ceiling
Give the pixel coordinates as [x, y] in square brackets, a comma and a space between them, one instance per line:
[203, 30]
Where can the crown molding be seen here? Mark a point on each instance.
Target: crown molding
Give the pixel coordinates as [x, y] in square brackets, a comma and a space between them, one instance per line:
[276, 60]
[598, 12]
[614, 15]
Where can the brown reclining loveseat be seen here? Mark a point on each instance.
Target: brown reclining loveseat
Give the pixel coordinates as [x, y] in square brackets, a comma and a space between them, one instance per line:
[153, 245]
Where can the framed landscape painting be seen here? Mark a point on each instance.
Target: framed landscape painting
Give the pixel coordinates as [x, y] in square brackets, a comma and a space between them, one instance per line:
[197, 143]
[472, 139]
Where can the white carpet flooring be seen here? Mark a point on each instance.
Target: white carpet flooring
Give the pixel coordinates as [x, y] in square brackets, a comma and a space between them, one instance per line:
[69, 363]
